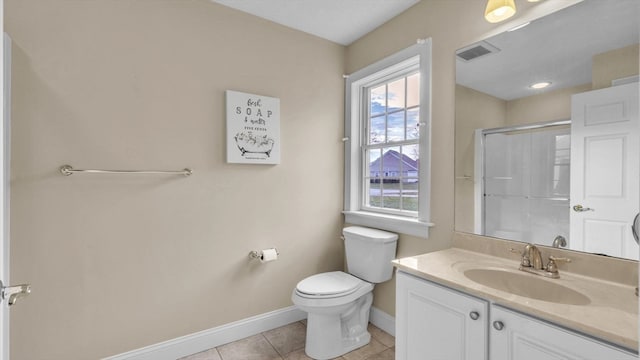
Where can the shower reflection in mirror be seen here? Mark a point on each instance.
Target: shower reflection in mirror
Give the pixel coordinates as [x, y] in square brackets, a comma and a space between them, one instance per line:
[522, 182]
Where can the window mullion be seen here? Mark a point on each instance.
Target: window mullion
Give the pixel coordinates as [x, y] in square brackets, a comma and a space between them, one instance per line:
[393, 144]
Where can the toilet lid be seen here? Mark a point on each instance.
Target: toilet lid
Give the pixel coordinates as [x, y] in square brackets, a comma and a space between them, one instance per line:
[329, 283]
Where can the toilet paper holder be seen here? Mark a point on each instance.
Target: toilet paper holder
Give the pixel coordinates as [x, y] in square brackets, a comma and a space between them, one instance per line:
[259, 254]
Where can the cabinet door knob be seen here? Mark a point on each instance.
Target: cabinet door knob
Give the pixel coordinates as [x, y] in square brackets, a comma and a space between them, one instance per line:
[498, 325]
[474, 315]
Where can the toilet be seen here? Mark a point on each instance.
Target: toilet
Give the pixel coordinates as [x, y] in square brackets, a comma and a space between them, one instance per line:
[338, 303]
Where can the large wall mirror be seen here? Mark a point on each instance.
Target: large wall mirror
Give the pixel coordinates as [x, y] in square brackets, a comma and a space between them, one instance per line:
[547, 130]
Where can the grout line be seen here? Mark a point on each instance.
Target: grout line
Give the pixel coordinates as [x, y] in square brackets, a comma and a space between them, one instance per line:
[272, 346]
[218, 352]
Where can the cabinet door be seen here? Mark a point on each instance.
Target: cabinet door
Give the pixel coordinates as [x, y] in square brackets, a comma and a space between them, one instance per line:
[437, 323]
[525, 338]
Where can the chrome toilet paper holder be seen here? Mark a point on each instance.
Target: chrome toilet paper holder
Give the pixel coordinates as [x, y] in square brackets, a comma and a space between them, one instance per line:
[258, 254]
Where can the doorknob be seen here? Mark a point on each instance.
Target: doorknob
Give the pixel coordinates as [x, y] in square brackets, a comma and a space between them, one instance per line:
[12, 293]
[579, 208]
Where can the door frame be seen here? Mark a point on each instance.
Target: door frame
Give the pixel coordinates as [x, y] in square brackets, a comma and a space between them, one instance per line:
[5, 79]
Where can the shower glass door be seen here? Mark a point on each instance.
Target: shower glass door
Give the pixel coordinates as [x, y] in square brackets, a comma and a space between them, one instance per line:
[526, 184]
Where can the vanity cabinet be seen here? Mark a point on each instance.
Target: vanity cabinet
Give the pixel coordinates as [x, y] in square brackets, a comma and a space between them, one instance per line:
[517, 336]
[434, 322]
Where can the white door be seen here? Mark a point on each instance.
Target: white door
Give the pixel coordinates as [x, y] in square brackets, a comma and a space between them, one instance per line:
[519, 337]
[605, 147]
[436, 323]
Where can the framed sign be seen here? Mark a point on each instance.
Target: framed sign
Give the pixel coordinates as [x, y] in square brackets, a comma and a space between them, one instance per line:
[253, 128]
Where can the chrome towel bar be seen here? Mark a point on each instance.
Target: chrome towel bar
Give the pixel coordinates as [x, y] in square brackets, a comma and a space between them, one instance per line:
[67, 170]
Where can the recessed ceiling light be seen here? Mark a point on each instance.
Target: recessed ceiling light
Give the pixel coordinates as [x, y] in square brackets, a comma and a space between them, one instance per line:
[540, 85]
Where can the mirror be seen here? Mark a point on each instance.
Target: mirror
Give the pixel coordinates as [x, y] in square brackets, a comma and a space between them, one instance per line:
[518, 166]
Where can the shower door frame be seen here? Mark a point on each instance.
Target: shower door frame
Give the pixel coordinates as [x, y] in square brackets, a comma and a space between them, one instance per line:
[479, 161]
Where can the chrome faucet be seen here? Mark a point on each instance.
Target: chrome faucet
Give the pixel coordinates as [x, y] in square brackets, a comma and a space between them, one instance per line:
[531, 262]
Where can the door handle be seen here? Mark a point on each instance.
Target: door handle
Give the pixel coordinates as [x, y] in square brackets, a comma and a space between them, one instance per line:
[13, 293]
[579, 208]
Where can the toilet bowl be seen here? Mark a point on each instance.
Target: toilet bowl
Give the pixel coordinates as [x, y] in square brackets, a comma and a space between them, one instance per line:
[338, 303]
[338, 306]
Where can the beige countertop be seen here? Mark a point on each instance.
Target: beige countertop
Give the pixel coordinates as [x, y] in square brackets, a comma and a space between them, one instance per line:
[612, 314]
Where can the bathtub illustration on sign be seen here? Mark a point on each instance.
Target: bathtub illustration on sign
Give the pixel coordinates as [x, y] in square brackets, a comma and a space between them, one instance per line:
[249, 143]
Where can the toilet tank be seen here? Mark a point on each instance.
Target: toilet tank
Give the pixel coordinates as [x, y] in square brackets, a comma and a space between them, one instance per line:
[369, 253]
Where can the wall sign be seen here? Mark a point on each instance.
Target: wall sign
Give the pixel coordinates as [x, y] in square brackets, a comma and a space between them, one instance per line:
[253, 128]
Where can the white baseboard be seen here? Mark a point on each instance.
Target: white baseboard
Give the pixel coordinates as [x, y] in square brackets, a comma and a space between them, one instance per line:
[382, 320]
[207, 339]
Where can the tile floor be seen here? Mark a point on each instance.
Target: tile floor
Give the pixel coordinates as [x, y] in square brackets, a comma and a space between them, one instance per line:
[287, 343]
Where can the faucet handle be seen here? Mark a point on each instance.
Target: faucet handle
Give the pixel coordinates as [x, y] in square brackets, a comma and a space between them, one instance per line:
[524, 261]
[561, 259]
[552, 267]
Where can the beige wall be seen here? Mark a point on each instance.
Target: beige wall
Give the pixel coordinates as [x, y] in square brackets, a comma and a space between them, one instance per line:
[474, 110]
[451, 24]
[116, 262]
[121, 262]
[615, 64]
[549, 106]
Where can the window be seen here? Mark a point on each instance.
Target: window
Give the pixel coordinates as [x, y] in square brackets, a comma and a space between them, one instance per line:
[387, 155]
[391, 146]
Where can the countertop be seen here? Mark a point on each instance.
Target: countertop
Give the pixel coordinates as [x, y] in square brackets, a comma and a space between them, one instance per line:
[612, 314]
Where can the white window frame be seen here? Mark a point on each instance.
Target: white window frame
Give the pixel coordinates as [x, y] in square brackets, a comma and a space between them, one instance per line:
[416, 57]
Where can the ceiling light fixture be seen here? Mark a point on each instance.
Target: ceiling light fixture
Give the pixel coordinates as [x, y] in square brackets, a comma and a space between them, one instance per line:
[499, 10]
[540, 85]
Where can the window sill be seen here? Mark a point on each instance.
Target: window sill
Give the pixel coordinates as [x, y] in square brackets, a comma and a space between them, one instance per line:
[399, 224]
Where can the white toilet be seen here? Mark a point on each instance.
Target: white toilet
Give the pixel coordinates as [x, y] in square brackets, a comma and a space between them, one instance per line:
[338, 303]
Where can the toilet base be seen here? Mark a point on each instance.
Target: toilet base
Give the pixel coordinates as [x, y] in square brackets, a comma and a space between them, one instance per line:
[333, 335]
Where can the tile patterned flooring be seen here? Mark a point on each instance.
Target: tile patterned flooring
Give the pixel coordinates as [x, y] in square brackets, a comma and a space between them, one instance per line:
[287, 343]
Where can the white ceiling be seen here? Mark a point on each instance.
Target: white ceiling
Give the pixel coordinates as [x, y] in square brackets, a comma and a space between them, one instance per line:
[340, 21]
[557, 48]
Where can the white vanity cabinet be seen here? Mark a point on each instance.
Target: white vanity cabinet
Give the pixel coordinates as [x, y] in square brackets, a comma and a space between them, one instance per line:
[434, 322]
[517, 336]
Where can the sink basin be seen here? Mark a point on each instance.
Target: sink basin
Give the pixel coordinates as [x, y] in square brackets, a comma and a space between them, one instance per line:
[526, 285]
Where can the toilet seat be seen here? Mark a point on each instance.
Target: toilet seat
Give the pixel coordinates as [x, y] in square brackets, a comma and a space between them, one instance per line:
[329, 285]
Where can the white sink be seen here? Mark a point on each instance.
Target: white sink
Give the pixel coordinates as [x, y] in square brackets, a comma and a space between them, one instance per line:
[526, 285]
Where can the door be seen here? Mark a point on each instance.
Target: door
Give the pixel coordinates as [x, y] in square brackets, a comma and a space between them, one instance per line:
[605, 137]
[437, 323]
[519, 337]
